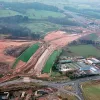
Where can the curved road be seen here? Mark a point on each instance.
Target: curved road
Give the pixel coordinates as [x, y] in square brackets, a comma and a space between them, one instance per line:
[59, 85]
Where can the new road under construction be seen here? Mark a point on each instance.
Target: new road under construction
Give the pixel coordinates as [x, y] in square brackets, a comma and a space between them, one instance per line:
[36, 62]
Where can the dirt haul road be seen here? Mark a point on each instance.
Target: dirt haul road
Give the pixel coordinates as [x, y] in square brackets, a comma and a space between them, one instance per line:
[56, 42]
[32, 61]
[42, 60]
[38, 60]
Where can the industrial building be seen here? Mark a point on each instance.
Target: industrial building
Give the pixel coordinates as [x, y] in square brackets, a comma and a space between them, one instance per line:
[81, 66]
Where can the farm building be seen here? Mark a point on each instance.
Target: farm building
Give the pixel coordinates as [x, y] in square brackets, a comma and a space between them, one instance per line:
[65, 68]
[93, 61]
[78, 65]
[65, 61]
[90, 70]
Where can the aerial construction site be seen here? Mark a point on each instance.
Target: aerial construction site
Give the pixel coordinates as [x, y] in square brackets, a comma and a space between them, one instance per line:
[33, 61]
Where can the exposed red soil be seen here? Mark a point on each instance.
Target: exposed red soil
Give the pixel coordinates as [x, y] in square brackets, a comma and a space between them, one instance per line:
[60, 38]
[31, 63]
[54, 35]
[4, 68]
[7, 58]
[7, 43]
[53, 41]
[64, 40]
[44, 76]
[20, 64]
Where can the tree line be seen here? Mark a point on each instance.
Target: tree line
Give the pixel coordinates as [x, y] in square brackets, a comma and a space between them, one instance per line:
[62, 21]
[83, 41]
[14, 19]
[22, 7]
[16, 32]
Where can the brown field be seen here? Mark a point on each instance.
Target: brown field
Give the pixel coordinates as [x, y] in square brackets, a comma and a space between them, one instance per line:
[69, 88]
[7, 59]
[68, 96]
[7, 43]
[64, 40]
[60, 38]
[34, 66]
[54, 35]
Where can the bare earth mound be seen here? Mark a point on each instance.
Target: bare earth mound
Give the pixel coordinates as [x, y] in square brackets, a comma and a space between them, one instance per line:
[34, 66]
[7, 43]
[4, 58]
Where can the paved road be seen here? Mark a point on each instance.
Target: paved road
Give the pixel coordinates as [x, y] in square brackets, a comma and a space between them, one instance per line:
[59, 85]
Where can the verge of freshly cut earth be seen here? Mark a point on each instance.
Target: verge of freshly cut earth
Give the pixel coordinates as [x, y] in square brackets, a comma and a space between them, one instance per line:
[85, 50]
[91, 90]
[25, 56]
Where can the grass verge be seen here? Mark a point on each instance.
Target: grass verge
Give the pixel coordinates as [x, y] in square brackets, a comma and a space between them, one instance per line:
[26, 55]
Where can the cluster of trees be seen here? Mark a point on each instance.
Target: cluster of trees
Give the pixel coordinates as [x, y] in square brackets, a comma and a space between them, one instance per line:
[14, 19]
[15, 32]
[90, 13]
[71, 30]
[75, 9]
[62, 21]
[73, 75]
[81, 41]
[22, 7]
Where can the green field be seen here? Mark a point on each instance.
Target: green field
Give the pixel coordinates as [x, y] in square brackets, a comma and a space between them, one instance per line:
[51, 61]
[31, 13]
[41, 27]
[7, 13]
[85, 50]
[25, 56]
[82, 11]
[39, 14]
[37, 27]
[92, 37]
[91, 90]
